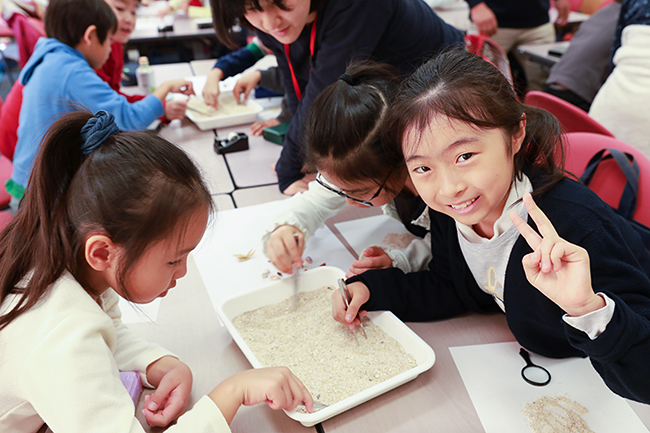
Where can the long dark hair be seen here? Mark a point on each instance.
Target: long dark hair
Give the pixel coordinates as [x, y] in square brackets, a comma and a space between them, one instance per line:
[67, 20]
[227, 14]
[137, 188]
[345, 124]
[462, 86]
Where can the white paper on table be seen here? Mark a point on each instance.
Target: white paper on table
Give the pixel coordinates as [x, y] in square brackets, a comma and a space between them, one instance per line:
[139, 313]
[364, 232]
[492, 375]
[239, 230]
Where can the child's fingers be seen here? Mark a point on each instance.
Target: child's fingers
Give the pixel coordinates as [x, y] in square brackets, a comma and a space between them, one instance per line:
[532, 238]
[558, 252]
[544, 225]
[160, 396]
[338, 307]
[373, 251]
[297, 393]
[294, 245]
[247, 91]
[278, 256]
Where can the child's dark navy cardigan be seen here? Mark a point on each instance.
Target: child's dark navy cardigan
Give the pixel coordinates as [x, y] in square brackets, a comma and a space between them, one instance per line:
[620, 266]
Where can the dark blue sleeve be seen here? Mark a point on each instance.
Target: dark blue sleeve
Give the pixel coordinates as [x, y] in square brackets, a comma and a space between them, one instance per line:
[446, 289]
[236, 62]
[621, 353]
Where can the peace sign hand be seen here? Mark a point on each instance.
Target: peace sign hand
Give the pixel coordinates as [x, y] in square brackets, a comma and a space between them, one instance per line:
[557, 268]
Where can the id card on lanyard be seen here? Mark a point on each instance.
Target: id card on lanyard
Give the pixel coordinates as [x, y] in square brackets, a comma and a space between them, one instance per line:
[312, 43]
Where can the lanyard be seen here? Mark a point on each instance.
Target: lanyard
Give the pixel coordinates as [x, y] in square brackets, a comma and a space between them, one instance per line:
[312, 42]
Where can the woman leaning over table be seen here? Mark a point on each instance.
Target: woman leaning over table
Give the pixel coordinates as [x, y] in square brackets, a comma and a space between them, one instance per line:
[314, 40]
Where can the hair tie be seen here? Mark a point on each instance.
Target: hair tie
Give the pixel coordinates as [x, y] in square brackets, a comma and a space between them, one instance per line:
[97, 130]
[348, 79]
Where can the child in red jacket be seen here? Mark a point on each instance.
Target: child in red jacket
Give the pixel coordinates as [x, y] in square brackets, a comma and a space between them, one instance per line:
[111, 72]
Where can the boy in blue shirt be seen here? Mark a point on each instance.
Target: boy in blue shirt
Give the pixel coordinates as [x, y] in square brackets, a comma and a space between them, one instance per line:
[59, 77]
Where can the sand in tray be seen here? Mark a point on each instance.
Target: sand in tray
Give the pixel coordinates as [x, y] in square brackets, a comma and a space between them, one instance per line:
[320, 351]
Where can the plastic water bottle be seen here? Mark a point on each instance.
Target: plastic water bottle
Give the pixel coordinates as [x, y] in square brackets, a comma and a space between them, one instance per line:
[144, 76]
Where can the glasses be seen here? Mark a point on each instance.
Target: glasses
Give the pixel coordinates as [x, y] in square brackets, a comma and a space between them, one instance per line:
[367, 203]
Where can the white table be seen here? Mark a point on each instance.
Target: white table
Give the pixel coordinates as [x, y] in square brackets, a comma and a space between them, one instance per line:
[203, 66]
[199, 144]
[437, 400]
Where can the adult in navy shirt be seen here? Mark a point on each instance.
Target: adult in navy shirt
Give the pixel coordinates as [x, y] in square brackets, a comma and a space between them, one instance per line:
[314, 40]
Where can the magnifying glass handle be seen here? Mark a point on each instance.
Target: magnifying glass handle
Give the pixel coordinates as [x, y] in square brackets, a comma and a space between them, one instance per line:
[524, 354]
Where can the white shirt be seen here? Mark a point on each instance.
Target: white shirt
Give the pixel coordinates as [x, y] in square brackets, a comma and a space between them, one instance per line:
[60, 363]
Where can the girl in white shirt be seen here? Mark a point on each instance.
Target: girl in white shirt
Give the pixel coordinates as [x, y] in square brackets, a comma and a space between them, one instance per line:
[106, 213]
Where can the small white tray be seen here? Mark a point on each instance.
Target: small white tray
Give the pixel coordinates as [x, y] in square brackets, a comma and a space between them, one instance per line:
[220, 121]
[314, 279]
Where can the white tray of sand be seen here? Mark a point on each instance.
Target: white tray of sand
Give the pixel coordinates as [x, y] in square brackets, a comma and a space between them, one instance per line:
[271, 329]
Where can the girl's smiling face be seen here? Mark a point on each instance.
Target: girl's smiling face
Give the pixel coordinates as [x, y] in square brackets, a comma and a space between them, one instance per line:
[283, 25]
[462, 171]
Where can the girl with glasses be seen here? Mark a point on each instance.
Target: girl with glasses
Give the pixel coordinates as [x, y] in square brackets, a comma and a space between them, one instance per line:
[344, 143]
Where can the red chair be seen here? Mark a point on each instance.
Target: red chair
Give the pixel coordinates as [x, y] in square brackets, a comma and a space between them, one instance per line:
[608, 180]
[5, 218]
[9, 116]
[27, 31]
[6, 170]
[572, 118]
[491, 51]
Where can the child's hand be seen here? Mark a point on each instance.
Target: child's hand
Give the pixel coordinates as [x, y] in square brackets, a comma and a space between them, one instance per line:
[245, 84]
[181, 86]
[276, 386]
[211, 88]
[176, 86]
[285, 247]
[173, 381]
[557, 268]
[372, 258]
[352, 316]
[258, 127]
[175, 109]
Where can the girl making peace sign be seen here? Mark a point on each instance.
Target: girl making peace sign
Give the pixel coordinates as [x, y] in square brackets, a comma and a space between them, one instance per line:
[574, 283]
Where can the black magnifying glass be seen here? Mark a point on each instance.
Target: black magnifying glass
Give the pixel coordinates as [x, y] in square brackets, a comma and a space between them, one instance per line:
[533, 373]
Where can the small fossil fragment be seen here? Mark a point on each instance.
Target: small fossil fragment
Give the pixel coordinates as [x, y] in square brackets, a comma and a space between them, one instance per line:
[244, 257]
[265, 273]
[274, 277]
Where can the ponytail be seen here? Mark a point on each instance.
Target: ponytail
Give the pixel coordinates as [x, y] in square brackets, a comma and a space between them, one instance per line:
[344, 127]
[135, 187]
[33, 240]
